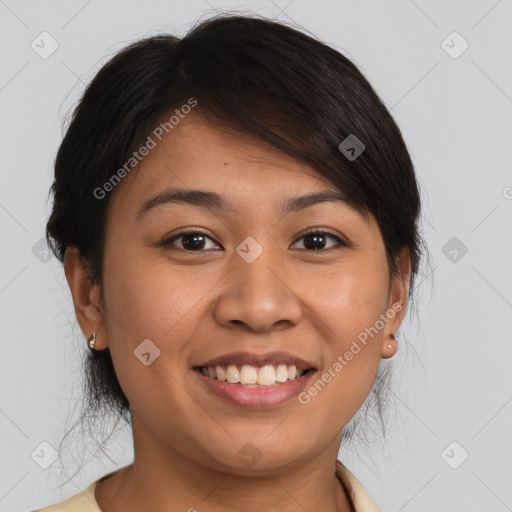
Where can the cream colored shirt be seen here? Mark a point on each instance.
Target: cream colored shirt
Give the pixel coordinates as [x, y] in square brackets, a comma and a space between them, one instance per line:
[361, 500]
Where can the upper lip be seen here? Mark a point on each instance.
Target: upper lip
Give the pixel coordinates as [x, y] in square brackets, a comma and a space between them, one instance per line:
[270, 358]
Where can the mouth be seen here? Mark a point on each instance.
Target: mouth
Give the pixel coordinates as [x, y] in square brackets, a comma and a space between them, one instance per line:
[255, 381]
[250, 376]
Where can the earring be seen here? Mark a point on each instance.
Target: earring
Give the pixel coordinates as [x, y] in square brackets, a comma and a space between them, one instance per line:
[91, 341]
[393, 338]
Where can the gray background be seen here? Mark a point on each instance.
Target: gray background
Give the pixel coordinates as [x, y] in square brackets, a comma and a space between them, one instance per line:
[454, 383]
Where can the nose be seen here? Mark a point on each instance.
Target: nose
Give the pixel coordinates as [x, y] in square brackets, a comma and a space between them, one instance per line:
[258, 296]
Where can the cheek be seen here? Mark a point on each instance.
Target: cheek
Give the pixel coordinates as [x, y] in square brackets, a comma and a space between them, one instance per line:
[351, 307]
[151, 300]
[148, 301]
[349, 313]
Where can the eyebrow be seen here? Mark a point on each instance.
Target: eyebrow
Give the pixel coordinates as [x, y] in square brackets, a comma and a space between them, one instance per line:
[208, 199]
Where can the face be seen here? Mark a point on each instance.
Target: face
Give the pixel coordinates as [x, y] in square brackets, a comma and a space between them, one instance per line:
[254, 289]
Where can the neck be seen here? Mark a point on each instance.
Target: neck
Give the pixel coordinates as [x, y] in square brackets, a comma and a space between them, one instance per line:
[162, 478]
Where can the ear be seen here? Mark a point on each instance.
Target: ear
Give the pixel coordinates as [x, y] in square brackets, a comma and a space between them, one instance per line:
[86, 297]
[398, 292]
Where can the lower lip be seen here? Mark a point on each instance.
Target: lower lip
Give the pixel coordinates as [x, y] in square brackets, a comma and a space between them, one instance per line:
[256, 398]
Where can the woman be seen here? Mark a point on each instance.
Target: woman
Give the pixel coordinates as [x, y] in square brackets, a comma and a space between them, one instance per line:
[236, 212]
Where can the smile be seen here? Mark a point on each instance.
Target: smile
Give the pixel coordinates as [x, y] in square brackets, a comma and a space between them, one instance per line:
[253, 376]
[254, 387]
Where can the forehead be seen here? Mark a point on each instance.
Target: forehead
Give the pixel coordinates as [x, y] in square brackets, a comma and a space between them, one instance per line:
[197, 155]
[196, 142]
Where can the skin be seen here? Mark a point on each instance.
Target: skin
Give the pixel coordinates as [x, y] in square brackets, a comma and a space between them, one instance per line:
[194, 307]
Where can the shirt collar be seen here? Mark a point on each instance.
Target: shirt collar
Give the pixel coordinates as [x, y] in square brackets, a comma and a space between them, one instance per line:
[361, 500]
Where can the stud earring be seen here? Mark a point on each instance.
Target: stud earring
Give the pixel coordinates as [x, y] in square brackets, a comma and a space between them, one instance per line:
[393, 338]
[91, 341]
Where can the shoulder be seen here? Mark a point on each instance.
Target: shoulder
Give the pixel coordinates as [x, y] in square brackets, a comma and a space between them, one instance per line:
[361, 500]
[82, 502]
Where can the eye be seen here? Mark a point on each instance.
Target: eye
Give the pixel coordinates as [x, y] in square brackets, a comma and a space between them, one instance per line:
[191, 241]
[196, 241]
[315, 240]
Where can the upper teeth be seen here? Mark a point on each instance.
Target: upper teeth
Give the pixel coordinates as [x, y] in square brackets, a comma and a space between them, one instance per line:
[248, 375]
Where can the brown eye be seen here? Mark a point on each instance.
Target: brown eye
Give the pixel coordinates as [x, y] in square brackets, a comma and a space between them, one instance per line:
[190, 241]
[317, 240]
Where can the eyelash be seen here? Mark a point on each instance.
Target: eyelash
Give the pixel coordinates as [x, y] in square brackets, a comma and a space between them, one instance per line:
[311, 231]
